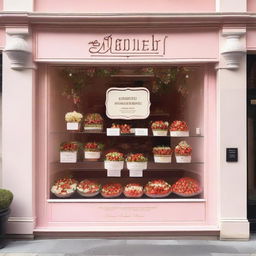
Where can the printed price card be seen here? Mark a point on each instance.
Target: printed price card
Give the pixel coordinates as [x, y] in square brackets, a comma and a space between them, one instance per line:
[141, 132]
[113, 131]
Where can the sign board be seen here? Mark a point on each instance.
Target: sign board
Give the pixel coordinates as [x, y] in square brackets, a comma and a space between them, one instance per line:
[128, 103]
[232, 154]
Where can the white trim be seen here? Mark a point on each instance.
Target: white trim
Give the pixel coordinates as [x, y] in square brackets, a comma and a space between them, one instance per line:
[126, 61]
[21, 219]
[185, 200]
[129, 228]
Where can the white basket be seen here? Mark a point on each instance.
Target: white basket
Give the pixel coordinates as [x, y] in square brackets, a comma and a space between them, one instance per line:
[160, 132]
[183, 159]
[137, 165]
[93, 128]
[68, 157]
[92, 155]
[162, 159]
[114, 165]
[179, 133]
[73, 126]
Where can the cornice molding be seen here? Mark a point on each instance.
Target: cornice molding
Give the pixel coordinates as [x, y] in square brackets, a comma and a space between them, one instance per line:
[127, 19]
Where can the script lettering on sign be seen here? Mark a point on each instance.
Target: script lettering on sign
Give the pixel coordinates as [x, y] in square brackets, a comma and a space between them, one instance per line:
[113, 46]
[128, 103]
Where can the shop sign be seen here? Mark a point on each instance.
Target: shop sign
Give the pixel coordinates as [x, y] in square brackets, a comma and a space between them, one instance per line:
[127, 103]
[128, 46]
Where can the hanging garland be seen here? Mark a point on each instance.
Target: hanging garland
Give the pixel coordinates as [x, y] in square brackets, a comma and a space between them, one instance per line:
[163, 79]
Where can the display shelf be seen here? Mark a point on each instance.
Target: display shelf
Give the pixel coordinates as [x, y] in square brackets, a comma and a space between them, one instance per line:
[123, 135]
[128, 200]
[99, 165]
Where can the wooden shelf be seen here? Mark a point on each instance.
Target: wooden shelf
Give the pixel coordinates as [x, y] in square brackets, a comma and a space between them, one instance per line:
[99, 165]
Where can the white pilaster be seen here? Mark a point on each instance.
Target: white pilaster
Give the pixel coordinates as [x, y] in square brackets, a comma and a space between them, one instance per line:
[231, 89]
[18, 140]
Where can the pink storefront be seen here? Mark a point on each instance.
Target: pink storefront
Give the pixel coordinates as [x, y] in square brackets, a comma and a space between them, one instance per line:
[139, 68]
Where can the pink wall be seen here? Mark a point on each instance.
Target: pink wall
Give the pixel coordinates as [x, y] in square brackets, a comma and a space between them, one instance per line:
[251, 39]
[251, 5]
[2, 37]
[142, 6]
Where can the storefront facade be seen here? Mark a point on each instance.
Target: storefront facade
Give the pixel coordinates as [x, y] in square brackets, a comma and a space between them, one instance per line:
[208, 38]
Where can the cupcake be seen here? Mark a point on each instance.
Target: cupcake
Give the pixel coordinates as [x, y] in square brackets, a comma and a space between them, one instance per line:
[157, 188]
[92, 150]
[93, 121]
[112, 190]
[160, 128]
[179, 129]
[183, 152]
[162, 154]
[136, 162]
[133, 190]
[64, 187]
[73, 120]
[88, 188]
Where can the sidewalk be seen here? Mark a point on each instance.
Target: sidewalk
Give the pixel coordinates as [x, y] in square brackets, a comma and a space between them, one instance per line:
[128, 247]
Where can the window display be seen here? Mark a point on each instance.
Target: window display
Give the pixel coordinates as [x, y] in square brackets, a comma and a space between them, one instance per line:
[139, 159]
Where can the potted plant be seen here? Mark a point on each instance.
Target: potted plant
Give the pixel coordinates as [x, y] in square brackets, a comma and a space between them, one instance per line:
[68, 152]
[160, 128]
[183, 152]
[136, 162]
[162, 154]
[6, 198]
[73, 120]
[93, 121]
[179, 129]
[114, 161]
[92, 150]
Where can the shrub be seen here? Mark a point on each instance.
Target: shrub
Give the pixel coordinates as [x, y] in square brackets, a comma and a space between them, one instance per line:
[6, 197]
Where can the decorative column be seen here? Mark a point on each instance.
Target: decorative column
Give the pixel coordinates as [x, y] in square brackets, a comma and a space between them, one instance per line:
[231, 116]
[18, 128]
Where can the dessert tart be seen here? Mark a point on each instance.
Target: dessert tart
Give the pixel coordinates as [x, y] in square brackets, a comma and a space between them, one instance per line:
[186, 187]
[64, 187]
[133, 190]
[157, 189]
[111, 190]
[88, 188]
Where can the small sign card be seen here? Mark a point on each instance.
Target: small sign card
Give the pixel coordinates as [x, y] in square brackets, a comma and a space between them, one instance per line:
[68, 157]
[135, 173]
[72, 126]
[114, 173]
[141, 131]
[113, 131]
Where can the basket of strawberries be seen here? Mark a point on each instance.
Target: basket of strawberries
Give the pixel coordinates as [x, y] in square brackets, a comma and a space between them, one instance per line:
[183, 152]
[162, 154]
[179, 129]
[160, 128]
[68, 152]
[157, 188]
[93, 122]
[187, 187]
[64, 187]
[92, 150]
[88, 188]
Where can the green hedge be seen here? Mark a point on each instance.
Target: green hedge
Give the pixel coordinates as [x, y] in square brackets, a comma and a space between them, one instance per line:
[6, 197]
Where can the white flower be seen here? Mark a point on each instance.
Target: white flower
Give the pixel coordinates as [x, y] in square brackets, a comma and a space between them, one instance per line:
[73, 117]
